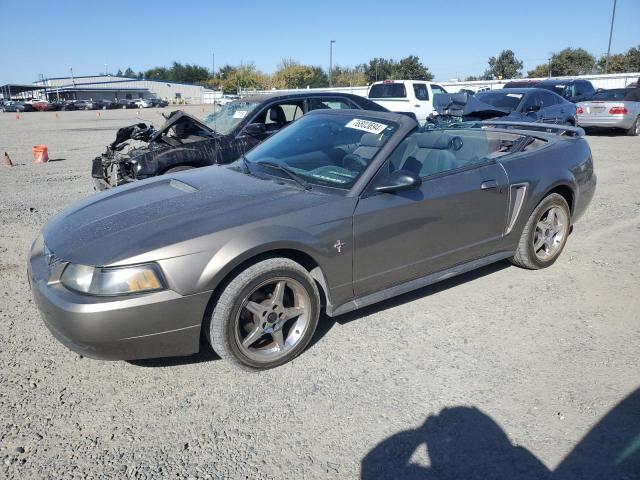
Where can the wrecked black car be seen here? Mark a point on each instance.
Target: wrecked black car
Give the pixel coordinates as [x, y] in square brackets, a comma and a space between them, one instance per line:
[184, 142]
[517, 104]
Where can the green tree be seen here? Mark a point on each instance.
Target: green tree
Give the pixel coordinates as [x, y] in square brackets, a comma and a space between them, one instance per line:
[349, 77]
[570, 61]
[505, 65]
[291, 74]
[633, 59]
[378, 69]
[617, 63]
[411, 68]
[129, 73]
[119, 73]
[243, 76]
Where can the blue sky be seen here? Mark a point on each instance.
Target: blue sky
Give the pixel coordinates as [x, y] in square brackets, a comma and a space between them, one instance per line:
[453, 38]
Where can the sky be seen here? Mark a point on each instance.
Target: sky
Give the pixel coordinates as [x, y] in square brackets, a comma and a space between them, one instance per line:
[452, 38]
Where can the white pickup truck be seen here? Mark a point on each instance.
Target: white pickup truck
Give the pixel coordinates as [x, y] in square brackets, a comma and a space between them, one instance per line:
[406, 96]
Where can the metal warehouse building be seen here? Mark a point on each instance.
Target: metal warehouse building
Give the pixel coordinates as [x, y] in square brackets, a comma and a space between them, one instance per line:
[110, 87]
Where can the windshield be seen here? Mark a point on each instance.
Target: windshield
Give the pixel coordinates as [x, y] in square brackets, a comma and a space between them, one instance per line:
[229, 116]
[559, 88]
[324, 149]
[500, 99]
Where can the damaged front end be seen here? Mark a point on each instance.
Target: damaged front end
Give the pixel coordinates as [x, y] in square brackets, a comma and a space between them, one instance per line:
[117, 164]
[454, 108]
[142, 151]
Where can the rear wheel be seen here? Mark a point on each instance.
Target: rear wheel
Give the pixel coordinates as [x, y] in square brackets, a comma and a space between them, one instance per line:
[634, 131]
[266, 315]
[545, 234]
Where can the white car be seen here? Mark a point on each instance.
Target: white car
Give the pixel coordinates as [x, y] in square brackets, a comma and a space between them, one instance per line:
[143, 103]
[406, 96]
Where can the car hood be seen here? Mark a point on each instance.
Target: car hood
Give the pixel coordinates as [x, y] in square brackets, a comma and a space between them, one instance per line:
[119, 224]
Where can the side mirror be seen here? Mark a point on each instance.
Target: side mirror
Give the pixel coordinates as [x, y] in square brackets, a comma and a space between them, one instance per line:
[399, 180]
[255, 129]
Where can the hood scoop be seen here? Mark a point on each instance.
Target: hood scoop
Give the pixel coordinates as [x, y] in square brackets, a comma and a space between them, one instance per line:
[183, 187]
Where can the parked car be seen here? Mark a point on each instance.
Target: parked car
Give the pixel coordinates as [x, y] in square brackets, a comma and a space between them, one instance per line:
[157, 102]
[143, 103]
[571, 90]
[185, 142]
[79, 105]
[224, 99]
[338, 211]
[106, 104]
[615, 108]
[521, 83]
[126, 103]
[14, 106]
[44, 106]
[517, 104]
[408, 96]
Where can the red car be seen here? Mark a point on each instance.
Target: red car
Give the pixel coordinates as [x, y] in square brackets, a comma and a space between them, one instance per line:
[44, 106]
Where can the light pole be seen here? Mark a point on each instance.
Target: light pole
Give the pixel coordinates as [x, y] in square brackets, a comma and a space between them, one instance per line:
[613, 16]
[331, 42]
[106, 71]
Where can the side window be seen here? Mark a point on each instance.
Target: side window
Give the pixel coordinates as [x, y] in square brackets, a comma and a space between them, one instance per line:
[548, 99]
[316, 103]
[282, 113]
[437, 89]
[420, 90]
[531, 102]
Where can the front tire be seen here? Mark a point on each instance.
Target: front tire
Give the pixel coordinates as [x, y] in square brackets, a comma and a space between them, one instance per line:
[545, 234]
[266, 315]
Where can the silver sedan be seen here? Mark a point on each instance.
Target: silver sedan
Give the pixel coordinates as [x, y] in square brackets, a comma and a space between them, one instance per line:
[615, 108]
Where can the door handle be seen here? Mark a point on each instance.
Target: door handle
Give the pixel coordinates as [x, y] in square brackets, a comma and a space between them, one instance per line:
[489, 184]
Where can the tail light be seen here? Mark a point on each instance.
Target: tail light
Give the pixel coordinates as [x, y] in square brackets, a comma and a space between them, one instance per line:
[618, 111]
[579, 110]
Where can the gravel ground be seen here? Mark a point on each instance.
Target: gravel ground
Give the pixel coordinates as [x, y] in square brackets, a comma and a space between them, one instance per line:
[518, 358]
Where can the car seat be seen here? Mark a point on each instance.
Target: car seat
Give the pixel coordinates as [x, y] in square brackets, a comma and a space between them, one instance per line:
[369, 146]
[432, 155]
[277, 117]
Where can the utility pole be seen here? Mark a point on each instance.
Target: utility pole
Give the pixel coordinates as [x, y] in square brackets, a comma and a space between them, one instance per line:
[331, 42]
[106, 70]
[213, 64]
[613, 16]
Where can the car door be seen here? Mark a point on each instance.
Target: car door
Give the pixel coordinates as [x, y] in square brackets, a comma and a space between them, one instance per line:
[531, 107]
[457, 214]
[551, 110]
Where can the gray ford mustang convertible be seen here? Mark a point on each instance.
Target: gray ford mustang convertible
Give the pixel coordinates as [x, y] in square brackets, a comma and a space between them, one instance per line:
[339, 210]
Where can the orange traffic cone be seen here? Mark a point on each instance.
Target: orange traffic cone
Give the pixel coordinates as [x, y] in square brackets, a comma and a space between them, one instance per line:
[40, 154]
[17, 117]
[7, 161]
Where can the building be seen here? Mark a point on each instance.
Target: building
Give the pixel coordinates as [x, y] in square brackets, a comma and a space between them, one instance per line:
[109, 87]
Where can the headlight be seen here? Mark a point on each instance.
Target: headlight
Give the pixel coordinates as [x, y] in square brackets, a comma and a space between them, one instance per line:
[112, 280]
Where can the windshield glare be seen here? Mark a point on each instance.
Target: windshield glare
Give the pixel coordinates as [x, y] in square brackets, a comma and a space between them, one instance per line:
[325, 150]
[229, 116]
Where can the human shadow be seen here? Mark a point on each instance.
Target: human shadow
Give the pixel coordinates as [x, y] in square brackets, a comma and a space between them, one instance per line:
[464, 443]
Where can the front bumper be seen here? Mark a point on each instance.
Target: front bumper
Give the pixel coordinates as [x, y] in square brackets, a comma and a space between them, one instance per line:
[159, 324]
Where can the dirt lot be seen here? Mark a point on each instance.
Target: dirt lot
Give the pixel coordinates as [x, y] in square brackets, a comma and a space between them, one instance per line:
[518, 358]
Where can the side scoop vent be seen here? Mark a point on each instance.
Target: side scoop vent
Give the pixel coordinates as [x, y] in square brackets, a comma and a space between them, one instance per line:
[516, 196]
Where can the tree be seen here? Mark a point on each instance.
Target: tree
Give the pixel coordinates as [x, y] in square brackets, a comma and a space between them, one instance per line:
[179, 73]
[504, 66]
[408, 68]
[129, 73]
[119, 73]
[291, 74]
[349, 77]
[411, 68]
[243, 76]
[633, 59]
[617, 63]
[570, 61]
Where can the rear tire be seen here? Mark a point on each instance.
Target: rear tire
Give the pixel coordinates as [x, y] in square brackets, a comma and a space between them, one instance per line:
[545, 234]
[634, 131]
[254, 326]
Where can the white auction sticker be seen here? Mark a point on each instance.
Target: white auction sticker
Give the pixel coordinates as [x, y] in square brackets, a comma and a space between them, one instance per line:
[239, 114]
[366, 125]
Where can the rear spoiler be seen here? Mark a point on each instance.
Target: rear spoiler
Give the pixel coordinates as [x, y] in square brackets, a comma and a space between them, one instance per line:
[560, 130]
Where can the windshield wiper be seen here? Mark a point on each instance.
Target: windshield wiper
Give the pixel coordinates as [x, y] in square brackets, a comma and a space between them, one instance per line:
[292, 175]
[245, 163]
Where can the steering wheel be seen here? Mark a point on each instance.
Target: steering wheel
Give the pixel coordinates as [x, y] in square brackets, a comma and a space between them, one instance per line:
[353, 159]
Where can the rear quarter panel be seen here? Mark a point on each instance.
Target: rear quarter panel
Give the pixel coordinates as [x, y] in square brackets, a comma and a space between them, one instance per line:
[565, 162]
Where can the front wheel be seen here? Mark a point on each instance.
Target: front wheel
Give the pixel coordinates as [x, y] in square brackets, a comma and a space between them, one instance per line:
[545, 234]
[266, 315]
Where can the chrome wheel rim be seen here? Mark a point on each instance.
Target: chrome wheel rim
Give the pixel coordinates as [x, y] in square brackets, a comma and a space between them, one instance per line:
[550, 233]
[638, 126]
[273, 319]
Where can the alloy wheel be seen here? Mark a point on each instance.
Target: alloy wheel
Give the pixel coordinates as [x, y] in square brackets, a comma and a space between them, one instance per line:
[551, 230]
[273, 319]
